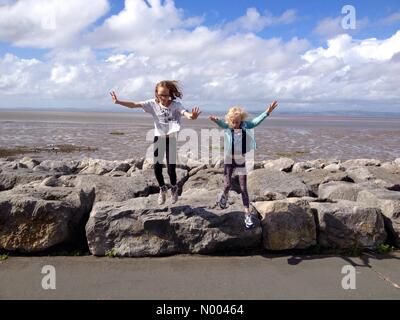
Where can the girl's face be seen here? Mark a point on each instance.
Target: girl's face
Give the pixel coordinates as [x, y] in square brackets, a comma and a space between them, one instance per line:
[236, 122]
[163, 95]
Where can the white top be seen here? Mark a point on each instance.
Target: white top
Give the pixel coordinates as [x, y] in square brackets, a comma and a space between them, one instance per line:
[167, 120]
[237, 142]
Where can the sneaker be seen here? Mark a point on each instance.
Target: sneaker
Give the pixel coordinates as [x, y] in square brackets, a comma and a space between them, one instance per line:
[174, 194]
[248, 221]
[163, 195]
[222, 201]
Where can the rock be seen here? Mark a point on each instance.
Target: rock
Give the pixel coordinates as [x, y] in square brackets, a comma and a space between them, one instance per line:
[35, 218]
[193, 171]
[361, 162]
[377, 176]
[312, 164]
[390, 166]
[349, 224]
[122, 166]
[116, 173]
[360, 174]
[190, 161]
[301, 166]
[13, 165]
[29, 162]
[397, 161]
[339, 190]
[334, 167]
[140, 227]
[141, 183]
[319, 176]
[10, 179]
[210, 179]
[50, 182]
[264, 181]
[389, 203]
[65, 167]
[287, 224]
[98, 167]
[281, 164]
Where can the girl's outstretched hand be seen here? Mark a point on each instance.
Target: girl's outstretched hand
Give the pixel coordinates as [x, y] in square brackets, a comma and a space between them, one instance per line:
[213, 118]
[113, 96]
[272, 106]
[195, 113]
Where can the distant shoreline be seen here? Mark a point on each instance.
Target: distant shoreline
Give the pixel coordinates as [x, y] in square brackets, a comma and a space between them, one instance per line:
[278, 114]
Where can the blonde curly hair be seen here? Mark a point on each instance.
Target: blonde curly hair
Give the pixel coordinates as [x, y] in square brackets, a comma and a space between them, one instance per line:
[235, 113]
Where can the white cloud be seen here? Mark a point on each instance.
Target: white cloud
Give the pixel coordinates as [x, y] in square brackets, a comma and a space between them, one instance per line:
[391, 19]
[47, 23]
[330, 27]
[217, 69]
[254, 21]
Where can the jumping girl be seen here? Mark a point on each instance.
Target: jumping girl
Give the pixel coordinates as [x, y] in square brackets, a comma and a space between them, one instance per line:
[238, 141]
[166, 113]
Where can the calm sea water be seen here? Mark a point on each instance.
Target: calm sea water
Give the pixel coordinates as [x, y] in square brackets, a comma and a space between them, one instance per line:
[301, 138]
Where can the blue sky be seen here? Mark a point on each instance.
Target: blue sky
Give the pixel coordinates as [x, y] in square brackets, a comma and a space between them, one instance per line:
[296, 49]
[309, 13]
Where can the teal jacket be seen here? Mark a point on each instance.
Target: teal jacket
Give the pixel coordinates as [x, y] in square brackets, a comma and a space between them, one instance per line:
[247, 126]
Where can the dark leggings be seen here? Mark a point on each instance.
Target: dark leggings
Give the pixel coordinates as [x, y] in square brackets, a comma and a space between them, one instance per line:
[164, 145]
[228, 171]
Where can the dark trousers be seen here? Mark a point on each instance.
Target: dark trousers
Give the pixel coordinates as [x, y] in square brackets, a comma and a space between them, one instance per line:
[165, 146]
[228, 171]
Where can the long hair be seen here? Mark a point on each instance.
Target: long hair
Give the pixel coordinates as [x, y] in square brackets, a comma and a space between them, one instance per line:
[235, 112]
[172, 86]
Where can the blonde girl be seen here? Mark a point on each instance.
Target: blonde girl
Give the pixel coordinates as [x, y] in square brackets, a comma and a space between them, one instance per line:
[238, 141]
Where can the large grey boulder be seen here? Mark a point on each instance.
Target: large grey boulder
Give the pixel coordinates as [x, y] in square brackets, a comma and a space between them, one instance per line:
[381, 177]
[64, 166]
[339, 190]
[29, 162]
[210, 179]
[389, 203]
[34, 218]
[313, 179]
[100, 166]
[262, 182]
[281, 164]
[361, 162]
[139, 227]
[10, 179]
[287, 224]
[349, 224]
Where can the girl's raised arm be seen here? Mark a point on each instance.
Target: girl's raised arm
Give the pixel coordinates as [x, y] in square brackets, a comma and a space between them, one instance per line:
[219, 122]
[257, 120]
[128, 104]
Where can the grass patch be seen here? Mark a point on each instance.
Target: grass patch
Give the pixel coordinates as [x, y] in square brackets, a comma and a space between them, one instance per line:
[112, 253]
[65, 148]
[288, 154]
[117, 133]
[385, 248]
[3, 257]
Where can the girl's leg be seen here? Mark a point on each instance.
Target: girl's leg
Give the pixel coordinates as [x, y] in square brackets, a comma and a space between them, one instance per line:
[158, 156]
[171, 159]
[228, 171]
[222, 199]
[243, 189]
[245, 198]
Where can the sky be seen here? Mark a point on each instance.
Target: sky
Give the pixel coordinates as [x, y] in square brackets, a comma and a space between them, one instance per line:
[309, 55]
